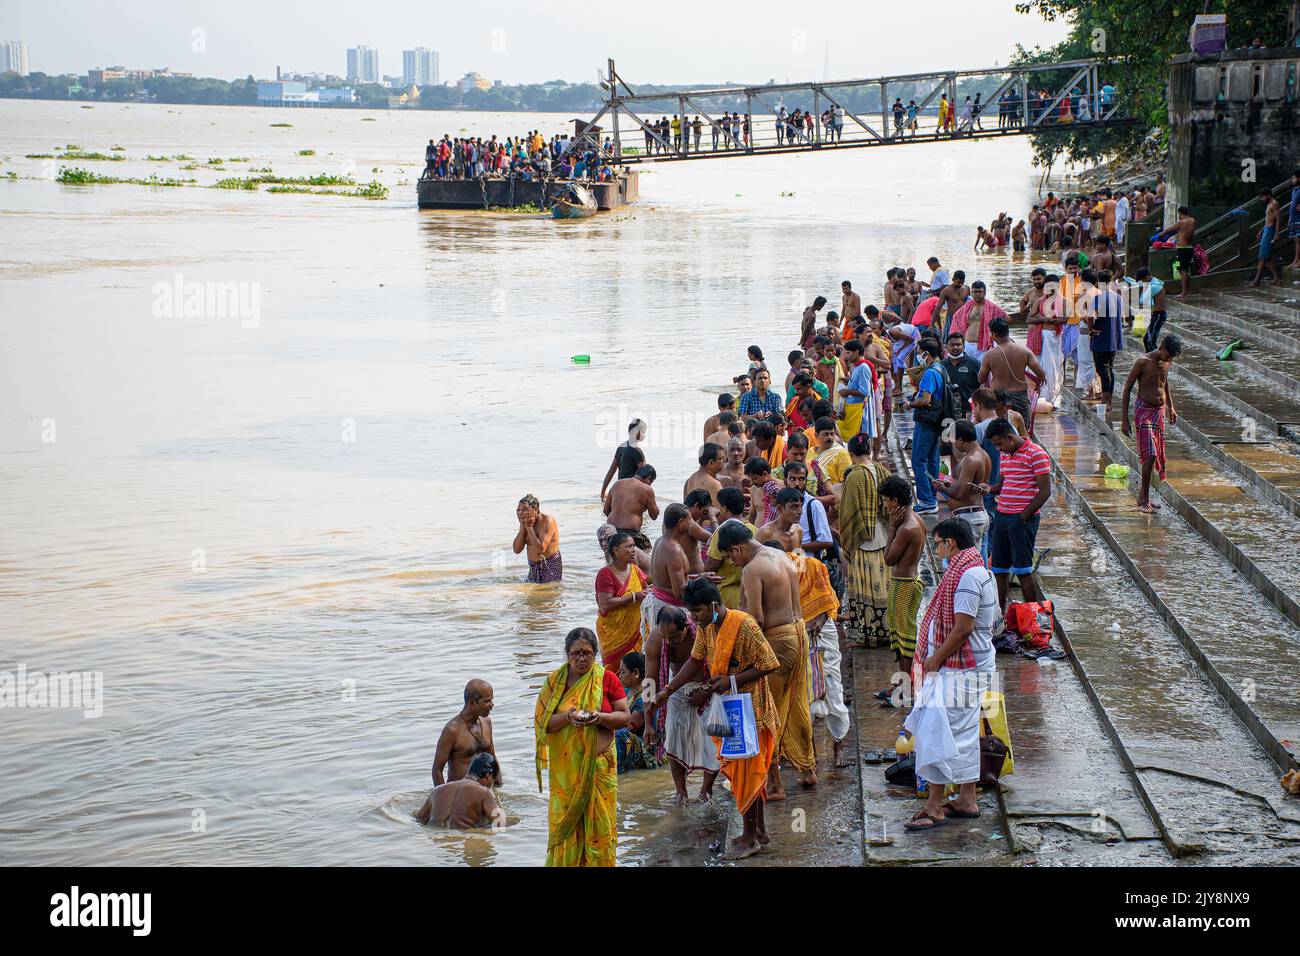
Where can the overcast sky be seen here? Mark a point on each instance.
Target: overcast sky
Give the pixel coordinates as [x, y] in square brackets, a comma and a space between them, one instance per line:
[671, 41]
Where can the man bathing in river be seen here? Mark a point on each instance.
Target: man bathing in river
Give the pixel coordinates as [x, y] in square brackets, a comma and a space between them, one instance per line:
[629, 501]
[540, 534]
[1151, 375]
[465, 736]
[467, 803]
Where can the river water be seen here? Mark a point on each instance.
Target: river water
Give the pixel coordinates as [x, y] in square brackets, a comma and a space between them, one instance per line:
[283, 535]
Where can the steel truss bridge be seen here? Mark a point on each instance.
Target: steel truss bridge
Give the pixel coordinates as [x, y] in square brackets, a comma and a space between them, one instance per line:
[1027, 111]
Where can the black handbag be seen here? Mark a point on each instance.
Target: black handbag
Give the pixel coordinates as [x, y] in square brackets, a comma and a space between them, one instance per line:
[902, 773]
[993, 754]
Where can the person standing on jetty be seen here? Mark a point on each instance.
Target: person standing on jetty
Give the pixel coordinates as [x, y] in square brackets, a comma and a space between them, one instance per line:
[864, 534]
[1151, 375]
[540, 534]
[731, 645]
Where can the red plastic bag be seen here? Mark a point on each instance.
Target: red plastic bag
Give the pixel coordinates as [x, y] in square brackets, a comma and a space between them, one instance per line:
[1033, 621]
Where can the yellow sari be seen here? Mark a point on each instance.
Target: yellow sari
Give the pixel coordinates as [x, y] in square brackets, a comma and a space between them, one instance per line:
[619, 631]
[583, 829]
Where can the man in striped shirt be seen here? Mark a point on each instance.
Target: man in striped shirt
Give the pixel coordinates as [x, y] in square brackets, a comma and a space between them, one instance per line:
[1024, 484]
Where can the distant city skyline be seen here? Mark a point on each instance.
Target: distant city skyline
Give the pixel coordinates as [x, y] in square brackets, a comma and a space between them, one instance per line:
[237, 38]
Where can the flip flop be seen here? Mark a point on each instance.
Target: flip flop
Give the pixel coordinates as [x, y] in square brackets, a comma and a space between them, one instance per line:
[872, 756]
[960, 814]
[916, 824]
[889, 756]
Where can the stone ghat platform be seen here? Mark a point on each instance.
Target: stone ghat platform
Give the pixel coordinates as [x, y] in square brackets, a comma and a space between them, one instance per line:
[507, 194]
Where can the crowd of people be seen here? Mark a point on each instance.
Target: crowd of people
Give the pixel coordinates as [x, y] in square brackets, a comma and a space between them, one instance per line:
[527, 157]
[799, 126]
[798, 538]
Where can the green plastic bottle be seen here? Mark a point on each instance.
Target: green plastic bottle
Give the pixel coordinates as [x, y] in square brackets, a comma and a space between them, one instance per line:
[581, 360]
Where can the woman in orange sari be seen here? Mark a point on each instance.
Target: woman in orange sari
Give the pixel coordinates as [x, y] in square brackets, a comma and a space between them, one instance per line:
[578, 710]
[620, 589]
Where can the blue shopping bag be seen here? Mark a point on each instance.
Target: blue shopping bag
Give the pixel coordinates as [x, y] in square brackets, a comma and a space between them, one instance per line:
[742, 742]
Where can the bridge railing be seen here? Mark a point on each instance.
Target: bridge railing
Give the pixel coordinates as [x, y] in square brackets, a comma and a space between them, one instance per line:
[1024, 98]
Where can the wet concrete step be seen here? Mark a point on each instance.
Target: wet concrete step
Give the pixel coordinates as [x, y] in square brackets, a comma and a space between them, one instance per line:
[1279, 300]
[1281, 370]
[1241, 630]
[1230, 438]
[1070, 801]
[1204, 771]
[1251, 390]
[1264, 331]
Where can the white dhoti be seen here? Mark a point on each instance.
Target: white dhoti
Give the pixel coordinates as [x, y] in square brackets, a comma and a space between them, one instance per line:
[684, 738]
[946, 725]
[973, 350]
[650, 606]
[832, 707]
[1085, 370]
[1053, 362]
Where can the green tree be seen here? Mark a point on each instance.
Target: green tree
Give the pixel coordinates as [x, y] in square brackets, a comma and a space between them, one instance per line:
[1137, 40]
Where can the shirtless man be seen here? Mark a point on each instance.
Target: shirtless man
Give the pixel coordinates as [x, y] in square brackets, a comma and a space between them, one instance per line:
[733, 472]
[1267, 236]
[1004, 365]
[467, 803]
[685, 742]
[670, 563]
[1151, 374]
[1104, 258]
[902, 554]
[629, 501]
[712, 459]
[540, 534]
[1185, 228]
[726, 403]
[723, 432]
[703, 511]
[896, 298]
[1019, 241]
[465, 736]
[973, 467]
[770, 594]
[784, 528]
[952, 298]
[851, 304]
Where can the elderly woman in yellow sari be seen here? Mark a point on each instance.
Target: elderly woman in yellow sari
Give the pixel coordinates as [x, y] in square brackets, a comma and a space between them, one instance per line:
[580, 707]
[620, 589]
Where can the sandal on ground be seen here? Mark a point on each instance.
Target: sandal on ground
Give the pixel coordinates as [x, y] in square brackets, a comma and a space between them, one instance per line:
[924, 821]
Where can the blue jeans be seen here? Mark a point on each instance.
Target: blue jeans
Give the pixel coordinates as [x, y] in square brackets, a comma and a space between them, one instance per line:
[925, 463]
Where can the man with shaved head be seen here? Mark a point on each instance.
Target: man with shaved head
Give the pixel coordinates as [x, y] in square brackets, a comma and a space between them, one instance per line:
[466, 735]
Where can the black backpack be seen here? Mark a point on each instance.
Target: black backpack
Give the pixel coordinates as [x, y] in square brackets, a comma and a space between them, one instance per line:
[949, 404]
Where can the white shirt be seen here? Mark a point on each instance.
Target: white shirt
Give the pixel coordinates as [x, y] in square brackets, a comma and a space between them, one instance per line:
[977, 595]
[821, 529]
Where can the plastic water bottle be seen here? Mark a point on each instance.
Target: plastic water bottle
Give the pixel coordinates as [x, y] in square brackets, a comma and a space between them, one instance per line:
[922, 788]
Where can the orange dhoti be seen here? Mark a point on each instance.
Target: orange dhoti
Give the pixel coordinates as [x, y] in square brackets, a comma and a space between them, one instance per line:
[816, 593]
[736, 645]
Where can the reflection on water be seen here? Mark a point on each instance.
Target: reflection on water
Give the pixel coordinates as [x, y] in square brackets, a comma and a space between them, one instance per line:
[288, 547]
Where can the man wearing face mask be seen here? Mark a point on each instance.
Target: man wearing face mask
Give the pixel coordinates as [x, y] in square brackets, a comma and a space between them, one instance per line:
[731, 644]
